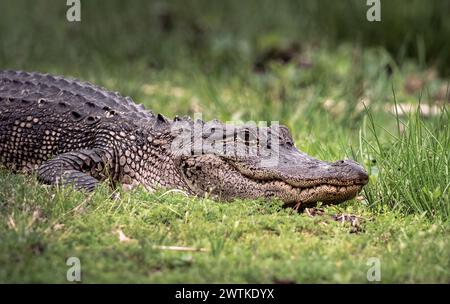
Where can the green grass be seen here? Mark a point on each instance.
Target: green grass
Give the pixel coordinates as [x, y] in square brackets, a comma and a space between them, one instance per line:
[245, 241]
[337, 108]
[411, 172]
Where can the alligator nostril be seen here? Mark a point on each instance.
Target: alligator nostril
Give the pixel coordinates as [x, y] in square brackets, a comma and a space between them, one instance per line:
[363, 176]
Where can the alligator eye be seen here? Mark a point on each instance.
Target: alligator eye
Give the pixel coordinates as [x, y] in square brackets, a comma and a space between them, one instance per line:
[209, 132]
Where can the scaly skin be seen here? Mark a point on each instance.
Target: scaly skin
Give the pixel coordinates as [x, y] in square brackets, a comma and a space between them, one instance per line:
[77, 133]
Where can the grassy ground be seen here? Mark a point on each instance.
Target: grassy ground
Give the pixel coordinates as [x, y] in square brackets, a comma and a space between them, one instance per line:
[340, 104]
[245, 241]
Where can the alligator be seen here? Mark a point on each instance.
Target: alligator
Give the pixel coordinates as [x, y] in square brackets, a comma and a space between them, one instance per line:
[75, 133]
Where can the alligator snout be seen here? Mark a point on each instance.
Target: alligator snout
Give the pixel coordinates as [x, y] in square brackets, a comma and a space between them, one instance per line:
[352, 171]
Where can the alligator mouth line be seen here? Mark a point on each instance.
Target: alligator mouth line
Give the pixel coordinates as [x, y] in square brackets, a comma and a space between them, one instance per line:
[324, 192]
[291, 193]
[304, 183]
[313, 190]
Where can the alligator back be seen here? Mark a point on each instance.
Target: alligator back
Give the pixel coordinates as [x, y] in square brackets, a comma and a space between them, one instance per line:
[43, 115]
[90, 98]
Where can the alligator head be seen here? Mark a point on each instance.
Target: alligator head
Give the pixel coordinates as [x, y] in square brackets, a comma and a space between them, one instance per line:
[253, 162]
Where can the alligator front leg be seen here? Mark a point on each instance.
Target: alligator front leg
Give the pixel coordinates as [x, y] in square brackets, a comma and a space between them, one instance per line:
[83, 169]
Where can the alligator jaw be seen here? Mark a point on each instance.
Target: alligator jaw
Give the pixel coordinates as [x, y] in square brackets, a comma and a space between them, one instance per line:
[226, 179]
[299, 184]
[326, 193]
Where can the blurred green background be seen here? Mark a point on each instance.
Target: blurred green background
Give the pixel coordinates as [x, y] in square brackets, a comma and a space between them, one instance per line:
[217, 33]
